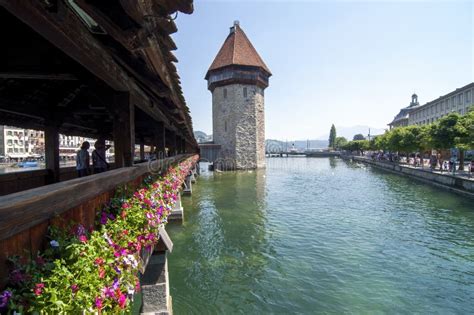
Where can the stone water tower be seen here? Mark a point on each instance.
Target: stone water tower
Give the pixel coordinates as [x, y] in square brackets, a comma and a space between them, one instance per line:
[237, 79]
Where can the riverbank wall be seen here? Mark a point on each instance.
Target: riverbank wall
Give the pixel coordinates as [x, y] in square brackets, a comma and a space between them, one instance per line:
[456, 184]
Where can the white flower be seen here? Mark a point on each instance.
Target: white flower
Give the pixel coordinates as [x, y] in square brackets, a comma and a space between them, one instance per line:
[130, 292]
[107, 238]
[54, 243]
[133, 260]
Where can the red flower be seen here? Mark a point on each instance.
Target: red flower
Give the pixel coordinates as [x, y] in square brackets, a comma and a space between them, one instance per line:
[101, 272]
[99, 261]
[38, 289]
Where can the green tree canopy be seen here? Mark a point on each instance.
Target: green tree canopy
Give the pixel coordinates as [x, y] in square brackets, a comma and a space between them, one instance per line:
[464, 139]
[444, 132]
[340, 142]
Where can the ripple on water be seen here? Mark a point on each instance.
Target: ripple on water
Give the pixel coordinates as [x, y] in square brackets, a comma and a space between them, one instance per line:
[321, 236]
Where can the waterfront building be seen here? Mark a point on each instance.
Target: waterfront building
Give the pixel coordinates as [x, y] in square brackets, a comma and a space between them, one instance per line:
[459, 100]
[402, 118]
[13, 143]
[35, 142]
[237, 79]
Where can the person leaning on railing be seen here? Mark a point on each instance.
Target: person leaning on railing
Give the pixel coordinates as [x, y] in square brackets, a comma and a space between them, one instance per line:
[83, 160]
[99, 161]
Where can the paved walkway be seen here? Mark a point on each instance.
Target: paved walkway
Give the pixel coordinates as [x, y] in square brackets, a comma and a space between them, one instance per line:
[461, 174]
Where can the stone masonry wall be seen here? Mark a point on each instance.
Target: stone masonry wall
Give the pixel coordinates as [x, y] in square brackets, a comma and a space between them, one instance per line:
[239, 124]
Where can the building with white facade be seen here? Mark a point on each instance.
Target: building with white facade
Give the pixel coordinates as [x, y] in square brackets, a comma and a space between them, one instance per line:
[13, 143]
[18, 144]
[459, 101]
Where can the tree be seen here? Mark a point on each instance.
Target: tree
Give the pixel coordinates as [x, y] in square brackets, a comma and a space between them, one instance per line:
[381, 141]
[340, 142]
[445, 132]
[395, 140]
[332, 137]
[357, 145]
[358, 136]
[464, 139]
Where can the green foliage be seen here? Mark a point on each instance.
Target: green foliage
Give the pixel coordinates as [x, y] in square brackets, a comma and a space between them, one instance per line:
[357, 146]
[358, 136]
[464, 139]
[340, 142]
[444, 132]
[332, 137]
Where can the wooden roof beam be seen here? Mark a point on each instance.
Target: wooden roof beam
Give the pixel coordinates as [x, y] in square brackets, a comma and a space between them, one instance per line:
[70, 35]
[37, 76]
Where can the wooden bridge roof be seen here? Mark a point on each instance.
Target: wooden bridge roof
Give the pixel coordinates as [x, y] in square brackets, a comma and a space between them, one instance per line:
[62, 61]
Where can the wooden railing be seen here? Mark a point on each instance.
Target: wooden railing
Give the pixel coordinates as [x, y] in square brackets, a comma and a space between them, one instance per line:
[25, 216]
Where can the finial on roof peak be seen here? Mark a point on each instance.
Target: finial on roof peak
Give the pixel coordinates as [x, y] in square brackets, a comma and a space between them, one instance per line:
[235, 26]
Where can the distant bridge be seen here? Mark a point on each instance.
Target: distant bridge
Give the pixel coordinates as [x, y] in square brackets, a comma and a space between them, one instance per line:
[306, 153]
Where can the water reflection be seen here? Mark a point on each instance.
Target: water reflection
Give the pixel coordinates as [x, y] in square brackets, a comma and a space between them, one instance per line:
[228, 243]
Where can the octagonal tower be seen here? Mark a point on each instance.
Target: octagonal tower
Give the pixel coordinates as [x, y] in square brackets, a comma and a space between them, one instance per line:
[237, 79]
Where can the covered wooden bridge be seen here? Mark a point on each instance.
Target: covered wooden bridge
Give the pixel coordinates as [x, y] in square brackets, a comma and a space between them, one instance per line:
[94, 69]
[97, 69]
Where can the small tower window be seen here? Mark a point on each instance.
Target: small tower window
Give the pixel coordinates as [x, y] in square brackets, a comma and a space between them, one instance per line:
[225, 126]
[225, 93]
[245, 92]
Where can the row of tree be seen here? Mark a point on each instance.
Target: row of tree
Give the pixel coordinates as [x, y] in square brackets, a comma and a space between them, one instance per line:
[451, 131]
[336, 142]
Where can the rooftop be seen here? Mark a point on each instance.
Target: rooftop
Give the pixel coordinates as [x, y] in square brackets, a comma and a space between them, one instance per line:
[238, 50]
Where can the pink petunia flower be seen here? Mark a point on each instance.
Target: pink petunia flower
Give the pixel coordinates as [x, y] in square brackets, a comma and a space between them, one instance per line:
[98, 303]
[83, 239]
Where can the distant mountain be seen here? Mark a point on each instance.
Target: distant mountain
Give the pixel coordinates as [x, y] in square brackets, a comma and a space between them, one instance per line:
[201, 136]
[300, 145]
[349, 132]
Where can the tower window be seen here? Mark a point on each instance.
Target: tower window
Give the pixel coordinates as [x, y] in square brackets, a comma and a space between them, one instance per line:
[245, 92]
[225, 93]
[225, 126]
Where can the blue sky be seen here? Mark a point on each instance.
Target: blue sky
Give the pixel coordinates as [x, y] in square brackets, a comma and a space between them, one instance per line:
[347, 63]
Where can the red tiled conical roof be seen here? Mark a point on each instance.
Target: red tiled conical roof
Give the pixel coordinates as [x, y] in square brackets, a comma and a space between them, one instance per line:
[238, 50]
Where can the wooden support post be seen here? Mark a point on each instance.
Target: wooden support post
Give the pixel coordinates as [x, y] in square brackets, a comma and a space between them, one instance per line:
[123, 130]
[178, 144]
[142, 149]
[51, 144]
[171, 142]
[160, 140]
[183, 145]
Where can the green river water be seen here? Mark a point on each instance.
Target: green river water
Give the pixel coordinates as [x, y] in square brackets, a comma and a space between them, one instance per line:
[321, 236]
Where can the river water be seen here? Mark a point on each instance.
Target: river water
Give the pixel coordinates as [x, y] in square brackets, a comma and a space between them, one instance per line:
[321, 236]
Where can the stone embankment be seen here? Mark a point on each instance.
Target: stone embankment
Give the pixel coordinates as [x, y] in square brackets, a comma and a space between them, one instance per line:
[463, 185]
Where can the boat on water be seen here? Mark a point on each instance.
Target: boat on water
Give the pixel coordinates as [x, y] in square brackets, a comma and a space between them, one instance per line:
[25, 164]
